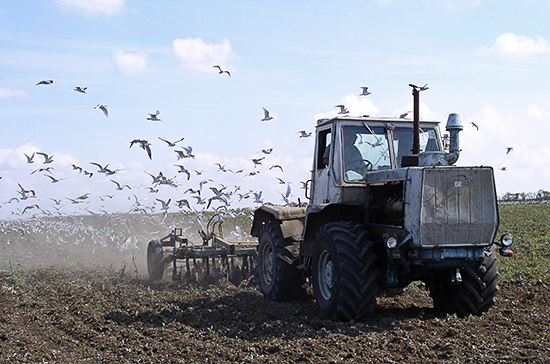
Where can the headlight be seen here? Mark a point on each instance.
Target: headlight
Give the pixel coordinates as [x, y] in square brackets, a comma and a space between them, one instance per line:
[506, 239]
[391, 242]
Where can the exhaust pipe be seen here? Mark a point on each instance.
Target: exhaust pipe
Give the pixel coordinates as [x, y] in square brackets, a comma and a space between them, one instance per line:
[454, 127]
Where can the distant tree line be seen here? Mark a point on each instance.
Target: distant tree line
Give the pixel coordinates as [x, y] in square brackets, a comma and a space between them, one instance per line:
[526, 197]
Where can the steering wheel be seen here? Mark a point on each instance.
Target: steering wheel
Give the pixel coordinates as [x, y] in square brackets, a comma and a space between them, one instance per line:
[361, 162]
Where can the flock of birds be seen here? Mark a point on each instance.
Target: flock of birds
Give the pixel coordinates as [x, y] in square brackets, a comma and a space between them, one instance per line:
[205, 195]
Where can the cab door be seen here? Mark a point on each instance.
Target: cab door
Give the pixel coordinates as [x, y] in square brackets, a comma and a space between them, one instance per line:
[322, 169]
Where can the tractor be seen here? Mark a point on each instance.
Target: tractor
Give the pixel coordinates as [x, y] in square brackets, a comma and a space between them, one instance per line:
[387, 207]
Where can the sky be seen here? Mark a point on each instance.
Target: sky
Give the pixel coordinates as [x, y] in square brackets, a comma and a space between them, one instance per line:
[485, 60]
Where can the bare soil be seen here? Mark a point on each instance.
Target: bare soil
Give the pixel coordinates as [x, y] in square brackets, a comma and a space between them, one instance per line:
[104, 316]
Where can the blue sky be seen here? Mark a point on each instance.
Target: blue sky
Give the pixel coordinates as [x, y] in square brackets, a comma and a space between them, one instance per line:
[486, 60]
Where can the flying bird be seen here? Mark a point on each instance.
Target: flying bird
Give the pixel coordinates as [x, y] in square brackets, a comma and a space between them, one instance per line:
[266, 115]
[183, 170]
[365, 91]
[276, 166]
[46, 169]
[509, 149]
[29, 159]
[304, 134]
[119, 186]
[475, 125]
[44, 82]
[404, 115]
[80, 89]
[257, 161]
[343, 109]
[171, 144]
[220, 71]
[103, 108]
[267, 151]
[154, 117]
[30, 207]
[144, 144]
[54, 180]
[77, 168]
[47, 158]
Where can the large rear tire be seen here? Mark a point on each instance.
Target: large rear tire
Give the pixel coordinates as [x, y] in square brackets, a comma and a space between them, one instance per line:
[344, 272]
[155, 264]
[475, 295]
[280, 278]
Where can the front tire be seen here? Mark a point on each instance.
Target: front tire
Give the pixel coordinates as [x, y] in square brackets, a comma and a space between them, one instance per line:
[344, 272]
[280, 278]
[475, 295]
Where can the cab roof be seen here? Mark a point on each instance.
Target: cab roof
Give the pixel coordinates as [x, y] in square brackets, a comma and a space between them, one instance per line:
[367, 119]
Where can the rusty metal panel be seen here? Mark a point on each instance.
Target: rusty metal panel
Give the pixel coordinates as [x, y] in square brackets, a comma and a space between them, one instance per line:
[458, 207]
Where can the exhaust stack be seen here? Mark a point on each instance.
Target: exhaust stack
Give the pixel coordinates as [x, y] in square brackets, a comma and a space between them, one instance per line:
[412, 159]
[454, 127]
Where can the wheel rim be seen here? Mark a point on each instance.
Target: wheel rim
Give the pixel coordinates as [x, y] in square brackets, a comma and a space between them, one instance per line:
[326, 275]
[268, 264]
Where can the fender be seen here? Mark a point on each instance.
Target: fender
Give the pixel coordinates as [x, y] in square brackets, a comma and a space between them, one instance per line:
[291, 218]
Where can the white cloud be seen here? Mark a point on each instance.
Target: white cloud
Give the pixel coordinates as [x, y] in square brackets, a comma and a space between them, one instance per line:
[196, 55]
[6, 93]
[93, 7]
[131, 64]
[512, 45]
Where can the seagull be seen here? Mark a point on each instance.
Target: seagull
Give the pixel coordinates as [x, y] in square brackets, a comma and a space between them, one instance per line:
[80, 89]
[77, 168]
[343, 109]
[267, 151]
[144, 144]
[257, 161]
[365, 91]
[164, 203]
[47, 158]
[44, 82]
[154, 117]
[54, 180]
[509, 149]
[276, 166]
[46, 169]
[266, 115]
[30, 207]
[89, 174]
[103, 108]
[119, 186]
[220, 71]
[185, 153]
[183, 170]
[171, 144]
[29, 159]
[475, 125]
[503, 169]
[183, 203]
[304, 134]
[221, 167]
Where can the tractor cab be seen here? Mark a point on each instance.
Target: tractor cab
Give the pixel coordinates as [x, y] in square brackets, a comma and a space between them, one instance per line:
[348, 149]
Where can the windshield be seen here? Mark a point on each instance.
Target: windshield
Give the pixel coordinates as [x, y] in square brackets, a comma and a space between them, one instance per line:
[364, 149]
[403, 140]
